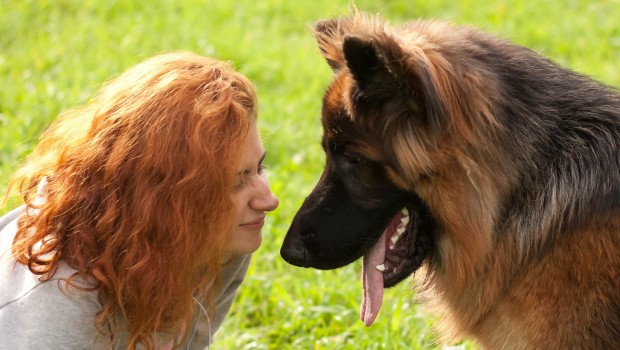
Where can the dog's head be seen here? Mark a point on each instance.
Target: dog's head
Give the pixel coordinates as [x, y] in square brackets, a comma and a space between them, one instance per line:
[378, 94]
[395, 118]
[354, 201]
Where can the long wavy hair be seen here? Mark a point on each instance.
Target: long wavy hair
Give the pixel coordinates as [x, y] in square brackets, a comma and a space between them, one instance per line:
[139, 191]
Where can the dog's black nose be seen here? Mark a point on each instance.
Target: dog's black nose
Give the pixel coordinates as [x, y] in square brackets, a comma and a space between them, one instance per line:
[294, 254]
[294, 250]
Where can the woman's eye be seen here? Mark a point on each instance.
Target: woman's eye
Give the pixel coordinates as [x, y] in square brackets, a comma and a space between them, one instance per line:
[261, 168]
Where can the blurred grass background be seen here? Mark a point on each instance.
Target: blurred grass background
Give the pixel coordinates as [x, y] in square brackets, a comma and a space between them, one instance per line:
[55, 54]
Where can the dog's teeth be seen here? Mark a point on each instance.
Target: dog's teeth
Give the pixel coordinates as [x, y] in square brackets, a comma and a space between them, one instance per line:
[405, 211]
[381, 267]
[400, 230]
[404, 220]
[392, 247]
[395, 239]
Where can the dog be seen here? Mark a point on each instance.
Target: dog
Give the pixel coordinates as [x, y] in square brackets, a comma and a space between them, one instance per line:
[490, 170]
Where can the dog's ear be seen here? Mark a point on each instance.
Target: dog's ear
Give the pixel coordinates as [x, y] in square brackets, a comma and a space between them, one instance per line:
[366, 61]
[328, 34]
[384, 72]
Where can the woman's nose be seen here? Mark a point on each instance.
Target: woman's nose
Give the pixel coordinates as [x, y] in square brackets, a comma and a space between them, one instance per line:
[264, 199]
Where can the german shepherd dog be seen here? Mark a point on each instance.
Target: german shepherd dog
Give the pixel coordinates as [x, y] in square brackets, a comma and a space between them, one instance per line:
[491, 169]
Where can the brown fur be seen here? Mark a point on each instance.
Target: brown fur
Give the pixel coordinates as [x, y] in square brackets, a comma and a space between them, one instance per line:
[515, 158]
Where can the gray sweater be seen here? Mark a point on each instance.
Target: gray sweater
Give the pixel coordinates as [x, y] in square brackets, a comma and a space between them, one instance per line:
[37, 315]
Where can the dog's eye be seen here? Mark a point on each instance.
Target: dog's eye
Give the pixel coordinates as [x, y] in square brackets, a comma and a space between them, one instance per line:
[353, 158]
[333, 147]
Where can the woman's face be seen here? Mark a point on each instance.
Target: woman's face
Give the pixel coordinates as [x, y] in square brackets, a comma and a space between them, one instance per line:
[252, 197]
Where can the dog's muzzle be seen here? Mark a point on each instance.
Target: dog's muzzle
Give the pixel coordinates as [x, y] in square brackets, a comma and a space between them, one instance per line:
[294, 252]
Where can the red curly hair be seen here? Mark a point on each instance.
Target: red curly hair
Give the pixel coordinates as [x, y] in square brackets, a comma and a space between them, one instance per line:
[139, 190]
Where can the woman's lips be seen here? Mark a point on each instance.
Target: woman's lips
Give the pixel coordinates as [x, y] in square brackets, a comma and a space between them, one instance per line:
[254, 225]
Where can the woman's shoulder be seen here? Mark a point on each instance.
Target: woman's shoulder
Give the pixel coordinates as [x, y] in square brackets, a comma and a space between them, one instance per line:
[44, 314]
[39, 315]
[11, 216]
[20, 288]
[8, 228]
[14, 281]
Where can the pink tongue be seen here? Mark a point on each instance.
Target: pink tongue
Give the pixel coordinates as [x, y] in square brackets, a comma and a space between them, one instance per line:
[372, 279]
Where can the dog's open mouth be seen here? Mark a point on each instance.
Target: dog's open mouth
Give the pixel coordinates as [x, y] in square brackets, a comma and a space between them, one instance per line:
[399, 252]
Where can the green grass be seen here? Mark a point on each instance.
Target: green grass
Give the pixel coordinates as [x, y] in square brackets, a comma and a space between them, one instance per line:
[54, 54]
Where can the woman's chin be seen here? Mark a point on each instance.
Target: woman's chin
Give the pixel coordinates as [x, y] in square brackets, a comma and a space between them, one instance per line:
[245, 243]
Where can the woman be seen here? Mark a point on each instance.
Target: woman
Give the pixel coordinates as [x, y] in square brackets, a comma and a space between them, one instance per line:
[141, 210]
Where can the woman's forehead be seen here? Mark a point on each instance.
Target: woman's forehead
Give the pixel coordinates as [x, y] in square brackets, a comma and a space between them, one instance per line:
[253, 149]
